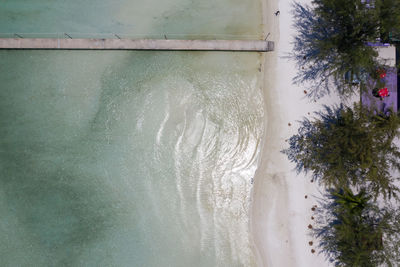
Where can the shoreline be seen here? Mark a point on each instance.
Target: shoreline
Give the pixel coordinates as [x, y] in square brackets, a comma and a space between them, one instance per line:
[280, 211]
[263, 205]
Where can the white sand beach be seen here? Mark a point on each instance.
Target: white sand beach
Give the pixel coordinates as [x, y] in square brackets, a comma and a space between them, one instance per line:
[281, 212]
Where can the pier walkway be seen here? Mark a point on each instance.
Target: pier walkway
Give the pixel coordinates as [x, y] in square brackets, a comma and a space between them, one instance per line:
[137, 44]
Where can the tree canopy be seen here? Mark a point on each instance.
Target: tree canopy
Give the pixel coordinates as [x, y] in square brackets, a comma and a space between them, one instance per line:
[350, 150]
[389, 19]
[354, 231]
[349, 147]
[332, 38]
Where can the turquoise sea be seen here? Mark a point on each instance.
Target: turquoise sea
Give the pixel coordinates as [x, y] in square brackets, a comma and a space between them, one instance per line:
[125, 158]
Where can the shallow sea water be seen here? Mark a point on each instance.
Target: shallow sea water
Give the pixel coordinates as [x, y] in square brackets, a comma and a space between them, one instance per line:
[152, 18]
[127, 158]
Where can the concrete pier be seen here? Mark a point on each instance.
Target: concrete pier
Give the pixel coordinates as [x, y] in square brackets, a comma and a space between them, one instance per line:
[137, 44]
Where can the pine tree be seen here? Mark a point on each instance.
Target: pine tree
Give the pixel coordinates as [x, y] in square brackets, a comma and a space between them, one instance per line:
[353, 231]
[389, 19]
[332, 40]
[349, 147]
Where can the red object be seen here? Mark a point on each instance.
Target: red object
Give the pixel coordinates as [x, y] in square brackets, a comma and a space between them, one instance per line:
[382, 73]
[383, 92]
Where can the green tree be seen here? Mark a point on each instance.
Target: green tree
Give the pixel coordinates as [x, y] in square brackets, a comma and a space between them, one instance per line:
[389, 19]
[353, 231]
[349, 147]
[332, 40]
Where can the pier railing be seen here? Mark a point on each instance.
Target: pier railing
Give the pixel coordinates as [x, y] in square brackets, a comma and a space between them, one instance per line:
[118, 41]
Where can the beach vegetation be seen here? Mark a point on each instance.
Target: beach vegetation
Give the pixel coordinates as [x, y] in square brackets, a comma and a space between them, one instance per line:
[389, 20]
[332, 41]
[353, 231]
[351, 151]
[349, 147]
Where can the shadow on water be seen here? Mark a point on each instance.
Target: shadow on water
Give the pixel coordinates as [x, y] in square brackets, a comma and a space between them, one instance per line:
[60, 211]
[57, 205]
